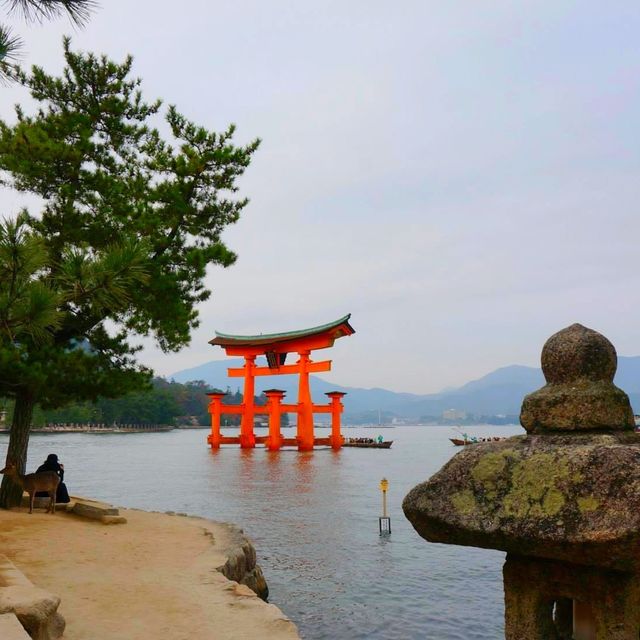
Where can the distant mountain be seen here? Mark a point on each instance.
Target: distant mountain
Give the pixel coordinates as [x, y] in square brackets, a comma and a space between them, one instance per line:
[498, 392]
[215, 374]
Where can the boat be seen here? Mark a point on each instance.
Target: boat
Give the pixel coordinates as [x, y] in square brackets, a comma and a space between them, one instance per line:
[458, 442]
[351, 442]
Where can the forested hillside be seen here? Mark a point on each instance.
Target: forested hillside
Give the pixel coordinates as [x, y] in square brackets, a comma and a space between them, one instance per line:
[165, 403]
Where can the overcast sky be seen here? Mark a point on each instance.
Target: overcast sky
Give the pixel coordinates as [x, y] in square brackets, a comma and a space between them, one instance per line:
[461, 176]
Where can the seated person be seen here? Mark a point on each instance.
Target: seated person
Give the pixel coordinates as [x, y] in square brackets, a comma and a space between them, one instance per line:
[52, 464]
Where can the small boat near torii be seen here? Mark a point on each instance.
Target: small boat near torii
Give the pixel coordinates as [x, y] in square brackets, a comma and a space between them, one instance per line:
[367, 443]
[460, 442]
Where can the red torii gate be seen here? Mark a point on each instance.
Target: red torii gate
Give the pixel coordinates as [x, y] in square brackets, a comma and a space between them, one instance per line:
[275, 347]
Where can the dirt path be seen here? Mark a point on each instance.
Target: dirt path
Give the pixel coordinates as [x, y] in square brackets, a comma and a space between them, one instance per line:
[152, 578]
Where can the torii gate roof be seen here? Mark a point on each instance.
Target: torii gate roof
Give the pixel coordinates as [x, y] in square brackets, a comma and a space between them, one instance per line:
[327, 333]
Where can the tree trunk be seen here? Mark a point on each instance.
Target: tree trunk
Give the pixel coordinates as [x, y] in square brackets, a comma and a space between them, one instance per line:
[11, 492]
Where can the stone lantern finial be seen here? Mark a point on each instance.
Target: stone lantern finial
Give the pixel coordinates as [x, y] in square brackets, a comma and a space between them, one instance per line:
[578, 353]
[579, 365]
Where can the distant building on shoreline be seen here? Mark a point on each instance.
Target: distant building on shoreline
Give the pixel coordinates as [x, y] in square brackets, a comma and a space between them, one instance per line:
[454, 414]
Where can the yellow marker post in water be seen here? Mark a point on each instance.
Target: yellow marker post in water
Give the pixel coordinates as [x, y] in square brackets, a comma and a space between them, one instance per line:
[385, 520]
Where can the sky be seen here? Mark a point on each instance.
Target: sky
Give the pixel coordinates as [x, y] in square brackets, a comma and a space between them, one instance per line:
[461, 176]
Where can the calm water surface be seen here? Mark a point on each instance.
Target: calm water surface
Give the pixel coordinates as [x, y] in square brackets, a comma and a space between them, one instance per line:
[314, 520]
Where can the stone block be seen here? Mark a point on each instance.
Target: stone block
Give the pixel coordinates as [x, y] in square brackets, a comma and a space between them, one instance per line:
[36, 609]
[542, 597]
[93, 510]
[11, 629]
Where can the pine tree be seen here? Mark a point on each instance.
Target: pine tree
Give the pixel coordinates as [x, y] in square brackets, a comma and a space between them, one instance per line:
[129, 224]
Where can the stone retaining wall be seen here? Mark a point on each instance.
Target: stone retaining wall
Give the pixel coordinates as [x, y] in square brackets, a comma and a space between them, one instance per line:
[241, 563]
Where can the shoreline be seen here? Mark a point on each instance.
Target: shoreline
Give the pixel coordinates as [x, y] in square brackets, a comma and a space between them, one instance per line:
[161, 575]
[169, 428]
[98, 430]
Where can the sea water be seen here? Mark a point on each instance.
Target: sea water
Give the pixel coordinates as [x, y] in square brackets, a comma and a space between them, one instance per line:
[313, 518]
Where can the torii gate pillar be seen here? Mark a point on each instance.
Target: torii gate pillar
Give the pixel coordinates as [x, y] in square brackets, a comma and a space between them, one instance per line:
[305, 433]
[274, 402]
[336, 410]
[215, 409]
[247, 437]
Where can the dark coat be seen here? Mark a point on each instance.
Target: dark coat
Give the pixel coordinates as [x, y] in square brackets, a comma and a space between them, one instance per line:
[62, 495]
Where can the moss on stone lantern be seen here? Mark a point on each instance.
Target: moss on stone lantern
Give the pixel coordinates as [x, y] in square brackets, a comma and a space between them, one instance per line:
[563, 500]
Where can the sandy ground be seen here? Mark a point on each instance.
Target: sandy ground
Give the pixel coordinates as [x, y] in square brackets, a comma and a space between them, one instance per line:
[152, 578]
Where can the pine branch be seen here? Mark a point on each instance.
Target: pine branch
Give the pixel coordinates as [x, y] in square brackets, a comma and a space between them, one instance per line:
[39, 10]
[10, 46]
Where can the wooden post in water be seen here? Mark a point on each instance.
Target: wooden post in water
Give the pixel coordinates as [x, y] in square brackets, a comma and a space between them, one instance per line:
[385, 521]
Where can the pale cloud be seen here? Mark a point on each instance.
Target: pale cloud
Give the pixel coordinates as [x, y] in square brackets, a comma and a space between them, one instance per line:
[460, 176]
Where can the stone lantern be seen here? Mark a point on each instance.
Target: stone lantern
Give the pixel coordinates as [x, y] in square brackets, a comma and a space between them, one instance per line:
[563, 501]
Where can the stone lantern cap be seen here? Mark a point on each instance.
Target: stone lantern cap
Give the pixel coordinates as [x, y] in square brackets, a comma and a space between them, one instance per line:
[568, 490]
[579, 365]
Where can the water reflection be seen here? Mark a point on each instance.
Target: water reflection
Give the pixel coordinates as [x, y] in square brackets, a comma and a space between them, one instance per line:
[246, 470]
